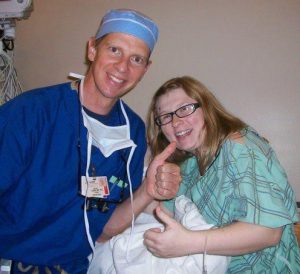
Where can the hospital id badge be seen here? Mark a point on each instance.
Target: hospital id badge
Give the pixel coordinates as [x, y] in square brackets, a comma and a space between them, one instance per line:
[94, 187]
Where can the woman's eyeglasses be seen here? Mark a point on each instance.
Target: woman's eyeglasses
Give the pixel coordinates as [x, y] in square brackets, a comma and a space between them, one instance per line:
[180, 112]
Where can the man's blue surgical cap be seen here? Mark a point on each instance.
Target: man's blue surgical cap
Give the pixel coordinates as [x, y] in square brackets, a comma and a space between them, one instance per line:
[130, 22]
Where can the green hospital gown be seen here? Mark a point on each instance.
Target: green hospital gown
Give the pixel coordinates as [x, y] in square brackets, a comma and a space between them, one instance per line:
[246, 182]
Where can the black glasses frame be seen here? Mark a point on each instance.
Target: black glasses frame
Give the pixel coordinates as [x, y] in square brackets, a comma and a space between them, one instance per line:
[159, 123]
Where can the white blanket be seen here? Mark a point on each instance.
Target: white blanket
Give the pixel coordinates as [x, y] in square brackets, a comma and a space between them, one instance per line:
[125, 254]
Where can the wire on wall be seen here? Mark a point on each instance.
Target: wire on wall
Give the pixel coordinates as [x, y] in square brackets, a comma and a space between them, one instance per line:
[10, 11]
[10, 85]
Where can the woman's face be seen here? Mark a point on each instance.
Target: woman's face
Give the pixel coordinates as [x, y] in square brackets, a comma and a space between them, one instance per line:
[189, 131]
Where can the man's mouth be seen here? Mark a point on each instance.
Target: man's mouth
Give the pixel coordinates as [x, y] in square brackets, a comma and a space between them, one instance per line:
[115, 79]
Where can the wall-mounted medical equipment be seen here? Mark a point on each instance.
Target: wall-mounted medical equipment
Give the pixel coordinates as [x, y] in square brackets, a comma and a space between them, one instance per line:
[10, 12]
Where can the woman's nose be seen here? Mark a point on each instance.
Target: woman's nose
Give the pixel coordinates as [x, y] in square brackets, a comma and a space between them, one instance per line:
[176, 120]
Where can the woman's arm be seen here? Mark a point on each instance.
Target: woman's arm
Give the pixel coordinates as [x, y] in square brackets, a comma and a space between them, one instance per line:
[235, 239]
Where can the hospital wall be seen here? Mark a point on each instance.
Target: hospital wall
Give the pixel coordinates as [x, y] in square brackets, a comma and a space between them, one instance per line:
[246, 52]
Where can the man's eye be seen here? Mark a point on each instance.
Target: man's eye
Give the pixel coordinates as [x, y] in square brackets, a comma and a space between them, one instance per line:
[114, 50]
[138, 60]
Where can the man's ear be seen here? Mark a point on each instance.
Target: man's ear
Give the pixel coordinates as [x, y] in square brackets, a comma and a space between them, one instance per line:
[145, 70]
[148, 65]
[91, 51]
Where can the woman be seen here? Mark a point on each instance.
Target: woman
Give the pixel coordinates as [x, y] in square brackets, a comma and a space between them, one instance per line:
[233, 176]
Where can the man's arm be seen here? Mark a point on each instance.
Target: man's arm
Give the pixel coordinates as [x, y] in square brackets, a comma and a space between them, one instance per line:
[162, 182]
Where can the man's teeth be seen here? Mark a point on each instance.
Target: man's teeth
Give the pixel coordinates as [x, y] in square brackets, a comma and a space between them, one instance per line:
[119, 81]
[181, 133]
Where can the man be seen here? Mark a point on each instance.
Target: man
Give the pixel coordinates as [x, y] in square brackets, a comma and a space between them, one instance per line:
[72, 153]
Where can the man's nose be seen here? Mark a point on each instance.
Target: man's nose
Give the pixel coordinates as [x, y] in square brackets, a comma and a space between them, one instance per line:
[122, 64]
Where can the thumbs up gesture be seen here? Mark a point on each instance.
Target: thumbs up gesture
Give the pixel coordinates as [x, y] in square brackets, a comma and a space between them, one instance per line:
[174, 241]
[163, 178]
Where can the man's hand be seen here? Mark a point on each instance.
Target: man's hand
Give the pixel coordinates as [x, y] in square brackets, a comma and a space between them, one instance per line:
[163, 178]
